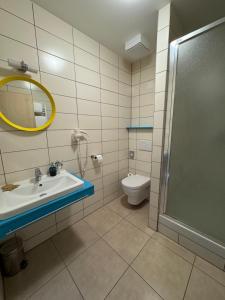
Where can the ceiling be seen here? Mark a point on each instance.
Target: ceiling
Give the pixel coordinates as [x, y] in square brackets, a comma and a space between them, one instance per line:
[113, 22]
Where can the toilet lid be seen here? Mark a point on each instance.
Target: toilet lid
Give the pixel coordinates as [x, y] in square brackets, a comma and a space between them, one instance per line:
[136, 181]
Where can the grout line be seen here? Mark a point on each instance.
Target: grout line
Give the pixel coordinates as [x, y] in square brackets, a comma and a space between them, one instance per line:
[189, 278]
[66, 267]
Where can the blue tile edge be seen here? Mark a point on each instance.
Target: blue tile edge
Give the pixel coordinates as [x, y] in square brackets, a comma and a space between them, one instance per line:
[16, 222]
[141, 127]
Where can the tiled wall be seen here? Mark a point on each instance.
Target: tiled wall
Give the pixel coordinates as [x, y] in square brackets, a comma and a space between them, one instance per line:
[91, 86]
[168, 29]
[143, 87]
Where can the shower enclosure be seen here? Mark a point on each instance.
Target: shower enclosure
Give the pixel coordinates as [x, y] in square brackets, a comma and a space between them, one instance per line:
[193, 183]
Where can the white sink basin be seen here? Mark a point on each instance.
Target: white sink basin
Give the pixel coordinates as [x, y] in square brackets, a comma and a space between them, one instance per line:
[29, 195]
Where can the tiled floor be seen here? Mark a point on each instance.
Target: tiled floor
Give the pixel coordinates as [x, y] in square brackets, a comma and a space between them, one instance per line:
[112, 254]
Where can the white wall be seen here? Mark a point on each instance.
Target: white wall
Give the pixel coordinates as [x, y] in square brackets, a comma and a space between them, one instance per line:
[143, 97]
[91, 86]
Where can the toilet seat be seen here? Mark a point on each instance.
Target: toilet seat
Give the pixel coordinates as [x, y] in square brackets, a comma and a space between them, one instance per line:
[135, 182]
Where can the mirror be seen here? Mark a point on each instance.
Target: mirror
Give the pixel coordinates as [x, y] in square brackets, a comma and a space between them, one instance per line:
[25, 104]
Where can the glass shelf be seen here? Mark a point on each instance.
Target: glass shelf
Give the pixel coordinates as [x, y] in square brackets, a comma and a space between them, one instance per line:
[140, 127]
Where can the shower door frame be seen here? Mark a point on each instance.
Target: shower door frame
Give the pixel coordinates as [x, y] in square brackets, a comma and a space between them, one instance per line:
[175, 225]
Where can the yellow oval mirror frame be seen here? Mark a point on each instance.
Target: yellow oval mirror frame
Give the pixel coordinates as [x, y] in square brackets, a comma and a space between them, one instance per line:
[28, 79]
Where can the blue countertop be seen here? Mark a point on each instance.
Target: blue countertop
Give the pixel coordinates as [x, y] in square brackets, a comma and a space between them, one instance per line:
[21, 220]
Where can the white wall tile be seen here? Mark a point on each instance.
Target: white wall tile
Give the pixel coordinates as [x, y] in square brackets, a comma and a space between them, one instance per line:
[109, 97]
[24, 174]
[155, 182]
[85, 42]
[124, 112]
[109, 84]
[88, 107]
[125, 77]
[147, 74]
[161, 61]
[62, 153]
[147, 87]
[160, 101]
[161, 82]
[14, 28]
[124, 65]
[158, 119]
[64, 121]
[109, 122]
[111, 178]
[86, 76]
[36, 227]
[147, 99]
[156, 169]
[89, 122]
[52, 24]
[109, 134]
[157, 137]
[111, 146]
[85, 59]
[108, 70]
[164, 17]
[69, 211]
[1, 166]
[110, 157]
[108, 55]
[109, 110]
[19, 140]
[87, 92]
[54, 45]
[58, 85]
[156, 153]
[22, 8]
[125, 101]
[56, 66]
[135, 90]
[17, 51]
[16, 161]
[163, 39]
[110, 168]
[124, 89]
[59, 137]
[65, 104]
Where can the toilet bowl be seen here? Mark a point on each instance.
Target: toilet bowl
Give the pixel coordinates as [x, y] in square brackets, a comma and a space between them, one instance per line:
[136, 187]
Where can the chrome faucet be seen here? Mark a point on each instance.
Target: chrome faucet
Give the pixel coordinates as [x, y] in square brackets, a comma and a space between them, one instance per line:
[37, 175]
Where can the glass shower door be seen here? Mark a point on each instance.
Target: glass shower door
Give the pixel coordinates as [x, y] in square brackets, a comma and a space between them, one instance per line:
[196, 184]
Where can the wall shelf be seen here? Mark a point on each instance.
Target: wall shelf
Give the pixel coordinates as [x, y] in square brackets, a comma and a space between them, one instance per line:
[140, 127]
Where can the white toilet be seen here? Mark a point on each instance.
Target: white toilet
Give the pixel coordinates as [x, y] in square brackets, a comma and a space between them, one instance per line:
[136, 187]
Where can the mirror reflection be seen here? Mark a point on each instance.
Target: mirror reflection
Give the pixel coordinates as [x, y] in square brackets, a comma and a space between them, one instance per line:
[25, 104]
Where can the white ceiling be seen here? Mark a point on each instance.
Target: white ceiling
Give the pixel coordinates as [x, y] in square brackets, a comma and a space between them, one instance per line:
[112, 22]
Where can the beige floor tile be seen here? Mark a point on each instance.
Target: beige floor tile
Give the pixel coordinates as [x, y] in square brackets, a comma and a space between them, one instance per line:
[44, 263]
[139, 217]
[211, 270]
[121, 206]
[127, 240]
[166, 272]
[203, 287]
[186, 254]
[58, 288]
[97, 270]
[103, 220]
[132, 287]
[74, 240]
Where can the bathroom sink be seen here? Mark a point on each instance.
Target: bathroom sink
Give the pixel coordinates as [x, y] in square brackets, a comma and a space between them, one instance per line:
[29, 195]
